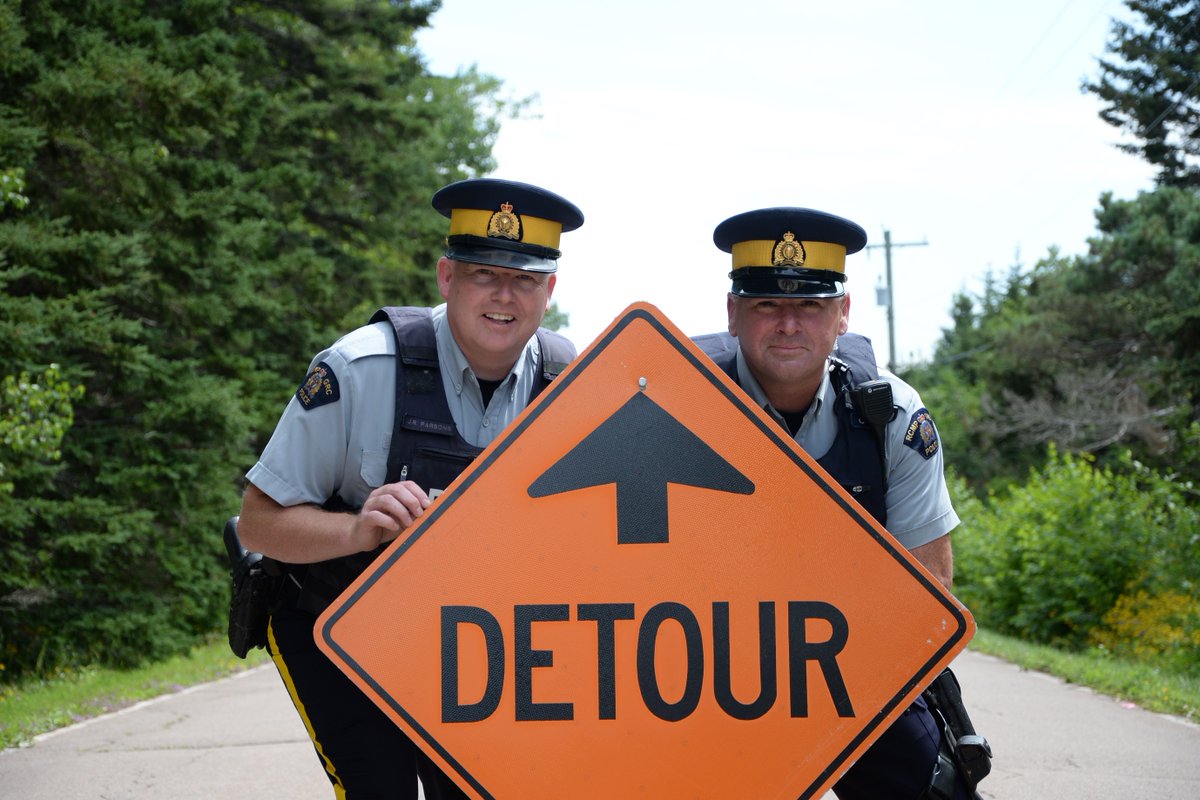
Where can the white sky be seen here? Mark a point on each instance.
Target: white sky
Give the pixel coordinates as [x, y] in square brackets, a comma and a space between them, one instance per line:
[960, 124]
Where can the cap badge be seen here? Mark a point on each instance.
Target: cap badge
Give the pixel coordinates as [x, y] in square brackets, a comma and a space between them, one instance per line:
[789, 252]
[504, 223]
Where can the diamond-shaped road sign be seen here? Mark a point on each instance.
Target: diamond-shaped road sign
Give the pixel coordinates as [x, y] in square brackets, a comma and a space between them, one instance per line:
[643, 589]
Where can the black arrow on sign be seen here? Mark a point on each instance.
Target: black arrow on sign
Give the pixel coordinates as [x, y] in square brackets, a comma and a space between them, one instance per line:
[641, 448]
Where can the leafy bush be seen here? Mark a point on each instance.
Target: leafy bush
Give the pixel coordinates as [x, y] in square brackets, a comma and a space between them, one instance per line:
[1161, 627]
[34, 415]
[1050, 560]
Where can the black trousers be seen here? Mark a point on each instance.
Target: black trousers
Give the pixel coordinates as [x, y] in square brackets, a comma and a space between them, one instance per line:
[899, 765]
[364, 753]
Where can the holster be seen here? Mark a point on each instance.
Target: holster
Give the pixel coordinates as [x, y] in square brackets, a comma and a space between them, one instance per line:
[971, 754]
[257, 582]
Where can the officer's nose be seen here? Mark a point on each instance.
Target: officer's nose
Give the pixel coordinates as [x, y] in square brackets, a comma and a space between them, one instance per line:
[788, 321]
[504, 288]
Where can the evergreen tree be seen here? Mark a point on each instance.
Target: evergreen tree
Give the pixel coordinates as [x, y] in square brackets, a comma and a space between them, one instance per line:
[1096, 353]
[215, 189]
[1150, 88]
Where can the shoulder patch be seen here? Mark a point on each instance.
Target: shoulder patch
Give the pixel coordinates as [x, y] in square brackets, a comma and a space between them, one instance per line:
[319, 388]
[921, 434]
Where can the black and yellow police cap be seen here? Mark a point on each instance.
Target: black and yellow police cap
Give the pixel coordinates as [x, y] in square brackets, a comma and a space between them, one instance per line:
[505, 224]
[790, 252]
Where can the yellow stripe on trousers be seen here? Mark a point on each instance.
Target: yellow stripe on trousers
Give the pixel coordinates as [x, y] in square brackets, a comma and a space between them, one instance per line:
[339, 791]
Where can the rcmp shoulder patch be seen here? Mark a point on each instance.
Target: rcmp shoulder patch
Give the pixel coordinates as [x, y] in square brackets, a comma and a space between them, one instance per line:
[319, 388]
[921, 434]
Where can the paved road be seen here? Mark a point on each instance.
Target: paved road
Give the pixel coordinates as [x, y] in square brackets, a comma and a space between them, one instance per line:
[239, 737]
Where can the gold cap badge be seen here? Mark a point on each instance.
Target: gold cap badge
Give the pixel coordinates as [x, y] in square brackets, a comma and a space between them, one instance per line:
[789, 252]
[504, 223]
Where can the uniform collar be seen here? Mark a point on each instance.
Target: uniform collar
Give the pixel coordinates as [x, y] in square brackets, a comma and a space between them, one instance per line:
[751, 386]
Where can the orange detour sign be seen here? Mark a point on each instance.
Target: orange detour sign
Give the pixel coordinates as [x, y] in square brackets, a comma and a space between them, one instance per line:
[644, 590]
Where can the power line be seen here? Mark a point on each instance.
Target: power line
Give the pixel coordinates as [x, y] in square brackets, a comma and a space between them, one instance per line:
[1106, 8]
[1071, 46]
[1013, 75]
[1183, 96]
[1042, 38]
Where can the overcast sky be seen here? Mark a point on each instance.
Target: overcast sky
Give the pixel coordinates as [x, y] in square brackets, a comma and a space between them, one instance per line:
[957, 126]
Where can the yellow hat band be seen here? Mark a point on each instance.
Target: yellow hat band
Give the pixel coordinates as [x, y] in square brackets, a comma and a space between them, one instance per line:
[533, 230]
[816, 255]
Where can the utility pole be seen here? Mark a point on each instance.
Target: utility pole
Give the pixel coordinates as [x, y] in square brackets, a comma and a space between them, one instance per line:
[891, 295]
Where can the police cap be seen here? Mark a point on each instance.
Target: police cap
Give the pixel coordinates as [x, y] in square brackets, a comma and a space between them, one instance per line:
[789, 252]
[505, 224]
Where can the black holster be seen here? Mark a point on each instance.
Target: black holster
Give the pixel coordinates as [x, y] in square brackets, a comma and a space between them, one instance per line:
[963, 751]
[257, 582]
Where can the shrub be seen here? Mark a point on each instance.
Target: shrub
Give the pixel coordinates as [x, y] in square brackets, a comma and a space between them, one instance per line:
[1159, 627]
[1049, 560]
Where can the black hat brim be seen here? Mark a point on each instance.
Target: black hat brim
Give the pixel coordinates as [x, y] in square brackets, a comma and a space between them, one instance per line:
[787, 282]
[499, 257]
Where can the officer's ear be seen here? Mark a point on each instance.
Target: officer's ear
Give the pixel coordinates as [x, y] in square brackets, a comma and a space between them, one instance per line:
[844, 324]
[730, 300]
[550, 289]
[445, 271]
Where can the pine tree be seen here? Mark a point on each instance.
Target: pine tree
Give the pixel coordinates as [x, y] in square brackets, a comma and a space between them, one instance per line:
[215, 189]
[1151, 89]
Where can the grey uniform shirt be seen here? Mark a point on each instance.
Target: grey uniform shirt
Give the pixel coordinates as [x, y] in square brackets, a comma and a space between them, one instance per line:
[918, 501]
[340, 446]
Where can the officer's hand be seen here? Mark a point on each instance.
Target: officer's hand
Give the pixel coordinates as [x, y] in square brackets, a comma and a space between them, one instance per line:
[389, 510]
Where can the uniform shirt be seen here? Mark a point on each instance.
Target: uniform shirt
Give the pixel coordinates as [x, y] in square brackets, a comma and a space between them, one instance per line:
[918, 501]
[341, 446]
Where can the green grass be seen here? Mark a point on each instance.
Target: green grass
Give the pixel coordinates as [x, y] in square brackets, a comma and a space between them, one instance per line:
[40, 706]
[1152, 687]
[34, 707]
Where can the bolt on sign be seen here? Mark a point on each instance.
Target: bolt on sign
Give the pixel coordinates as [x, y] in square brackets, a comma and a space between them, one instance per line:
[643, 589]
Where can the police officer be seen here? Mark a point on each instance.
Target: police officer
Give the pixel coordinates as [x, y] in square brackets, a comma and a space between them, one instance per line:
[788, 315]
[385, 419]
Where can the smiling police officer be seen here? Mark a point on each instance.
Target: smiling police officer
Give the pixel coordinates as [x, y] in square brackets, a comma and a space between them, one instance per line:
[386, 418]
[788, 348]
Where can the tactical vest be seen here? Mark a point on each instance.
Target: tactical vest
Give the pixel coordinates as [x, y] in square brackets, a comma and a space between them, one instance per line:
[425, 446]
[856, 458]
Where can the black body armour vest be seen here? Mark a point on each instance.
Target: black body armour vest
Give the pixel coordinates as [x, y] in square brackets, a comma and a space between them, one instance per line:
[856, 458]
[425, 446]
